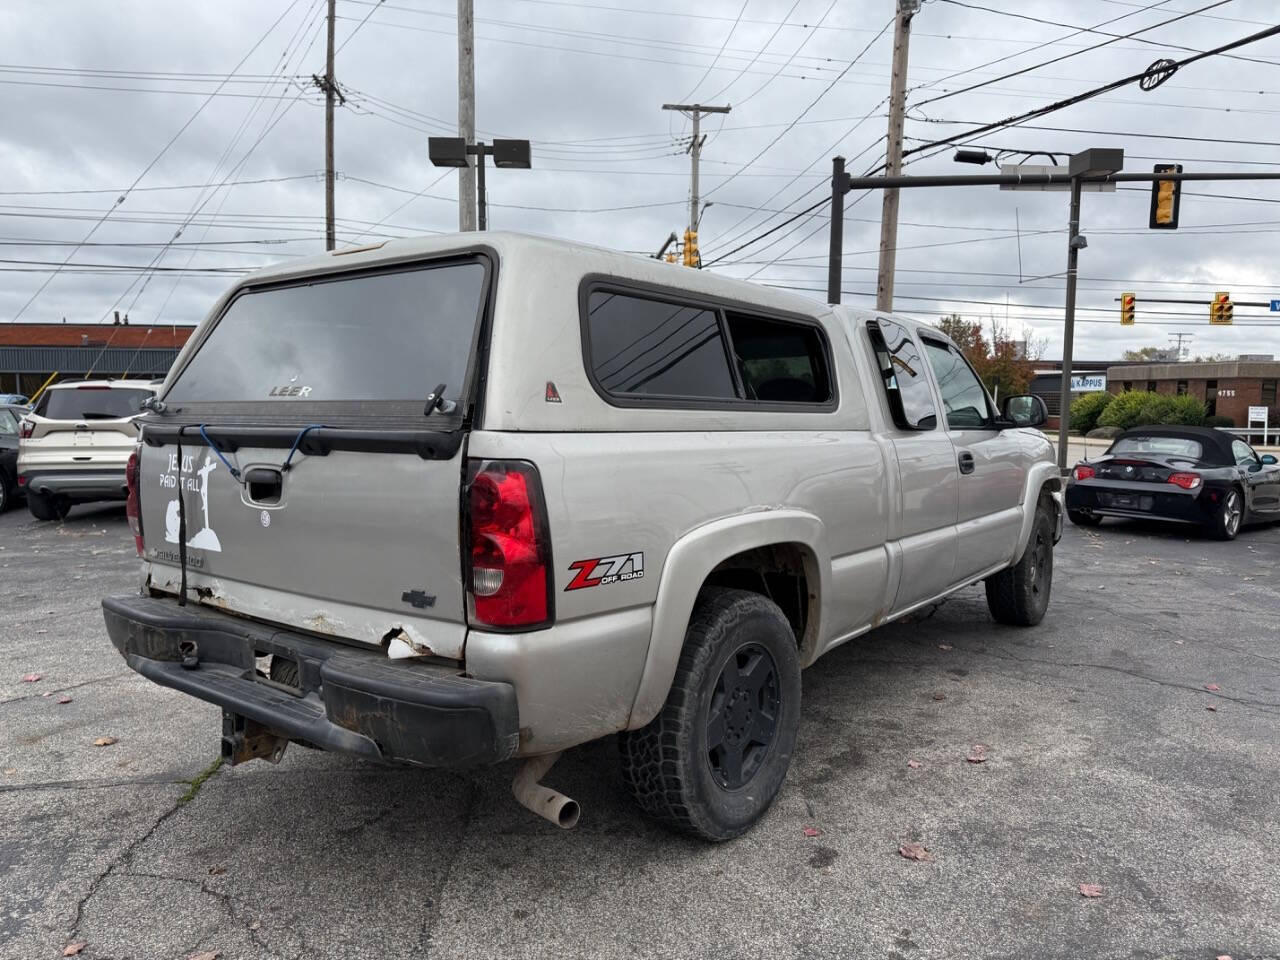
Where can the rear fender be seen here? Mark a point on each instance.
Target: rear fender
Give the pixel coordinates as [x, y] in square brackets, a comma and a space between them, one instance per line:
[687, 566]
[1041, 477]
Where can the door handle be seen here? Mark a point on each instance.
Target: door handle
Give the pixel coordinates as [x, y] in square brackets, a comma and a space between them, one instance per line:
[966, 461]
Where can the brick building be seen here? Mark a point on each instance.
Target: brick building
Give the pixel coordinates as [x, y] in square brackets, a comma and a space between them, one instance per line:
[32, 352]
[1228, 388]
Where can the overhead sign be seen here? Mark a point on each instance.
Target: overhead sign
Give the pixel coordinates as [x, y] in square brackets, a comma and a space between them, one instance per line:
[1089, 383]
[1040, 169]
[1275, 306]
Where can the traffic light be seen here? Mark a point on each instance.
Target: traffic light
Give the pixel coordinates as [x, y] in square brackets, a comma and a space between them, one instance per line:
[1128, 303]
[1221, 310]
[691, 256]
[1166, 198]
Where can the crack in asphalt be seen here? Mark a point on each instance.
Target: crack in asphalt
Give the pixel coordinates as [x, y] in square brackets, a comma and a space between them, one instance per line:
[74, 686]
[155, 778]
[120, 863]
[427, 933]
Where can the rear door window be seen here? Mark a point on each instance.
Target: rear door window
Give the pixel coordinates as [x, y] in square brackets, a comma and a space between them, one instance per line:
[382, 337]
[92, 403]
[902, 375]
[8, 424]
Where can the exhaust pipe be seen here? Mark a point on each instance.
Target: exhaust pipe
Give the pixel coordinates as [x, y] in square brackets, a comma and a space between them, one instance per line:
[545, 802]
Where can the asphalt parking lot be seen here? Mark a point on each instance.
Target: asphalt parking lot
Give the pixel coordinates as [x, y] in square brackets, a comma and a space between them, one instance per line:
[1109, 763]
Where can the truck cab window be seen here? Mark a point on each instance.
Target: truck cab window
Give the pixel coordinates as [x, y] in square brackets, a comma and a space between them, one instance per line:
[963, 395]
[902, 375]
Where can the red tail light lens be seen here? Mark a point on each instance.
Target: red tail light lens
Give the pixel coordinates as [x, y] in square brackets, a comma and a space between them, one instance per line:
[1084, 471]
[26, 428]
[132, 507]
[509, 577]
[1187, 481]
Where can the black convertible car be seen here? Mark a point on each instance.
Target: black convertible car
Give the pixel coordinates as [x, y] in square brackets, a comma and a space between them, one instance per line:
[1187, 474]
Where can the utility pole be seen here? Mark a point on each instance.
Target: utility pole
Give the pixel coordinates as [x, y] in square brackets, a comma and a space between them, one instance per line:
[466, 112]
[1180, 337]
[1074, 243]
[695, 112]
[893, 152]
[330, 89]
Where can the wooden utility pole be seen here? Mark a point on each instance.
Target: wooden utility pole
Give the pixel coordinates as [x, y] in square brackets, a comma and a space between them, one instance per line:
[893, 152]
[330, 89]
[695, 112]
[466, 112]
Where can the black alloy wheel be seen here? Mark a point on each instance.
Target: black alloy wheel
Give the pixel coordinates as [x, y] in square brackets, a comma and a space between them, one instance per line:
[742, 716]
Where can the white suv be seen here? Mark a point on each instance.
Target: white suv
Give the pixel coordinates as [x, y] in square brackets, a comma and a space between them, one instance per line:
[75, 444]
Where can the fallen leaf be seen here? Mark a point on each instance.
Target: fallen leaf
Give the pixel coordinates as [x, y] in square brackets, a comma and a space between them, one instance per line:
[913, 764]
[812, 832]
[10, 770]
[978, 754]
[217, 871]
[1223, 956]
[105, 741]
[1212, 687]
[1211, 708]
[944, 646]
[206, 955]
[31, 678]
[1090, 890]
[64, 699]
[256, 925]
[939, 696]
[47, 693]
[915, 851]
[71, 949]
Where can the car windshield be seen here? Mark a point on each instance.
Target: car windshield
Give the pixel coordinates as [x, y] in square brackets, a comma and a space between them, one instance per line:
[92, 403]
[1182, 447]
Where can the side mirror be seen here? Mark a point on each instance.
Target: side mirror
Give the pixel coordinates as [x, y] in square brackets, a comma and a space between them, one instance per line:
[1269, 459]
[1024, 410]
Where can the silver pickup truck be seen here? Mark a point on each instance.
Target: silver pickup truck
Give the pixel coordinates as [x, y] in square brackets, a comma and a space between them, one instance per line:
[457, 500]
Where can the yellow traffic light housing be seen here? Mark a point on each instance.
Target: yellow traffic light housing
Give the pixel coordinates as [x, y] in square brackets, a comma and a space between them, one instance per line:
[691, 256]
[1128, 304]
[1166, 198]
[1221, 310]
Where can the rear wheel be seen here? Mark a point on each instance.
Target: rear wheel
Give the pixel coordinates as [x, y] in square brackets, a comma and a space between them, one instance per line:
[44, 506]
[711, 762]
[1082, 519]
[6, 492]
[1226, 522]
[1019, 595]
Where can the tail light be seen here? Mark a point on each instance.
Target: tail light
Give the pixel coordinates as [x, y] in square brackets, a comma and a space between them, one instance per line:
[1083, 471]
[132, 507]
[509, 576]
[1187, 481]
[26, 428]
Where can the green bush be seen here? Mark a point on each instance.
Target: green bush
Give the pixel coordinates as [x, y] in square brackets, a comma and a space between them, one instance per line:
[1086, 409]
[1186, 410]
[1139, 408]
[1217, 420]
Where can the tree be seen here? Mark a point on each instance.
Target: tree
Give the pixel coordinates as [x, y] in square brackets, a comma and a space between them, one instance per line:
[1153, 355]
[1000, 362]
[1212, 358]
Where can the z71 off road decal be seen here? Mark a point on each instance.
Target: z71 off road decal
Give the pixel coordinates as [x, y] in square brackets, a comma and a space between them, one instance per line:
[606, 570]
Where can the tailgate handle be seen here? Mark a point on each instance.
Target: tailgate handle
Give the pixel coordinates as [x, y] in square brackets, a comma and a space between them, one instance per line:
[264, 484]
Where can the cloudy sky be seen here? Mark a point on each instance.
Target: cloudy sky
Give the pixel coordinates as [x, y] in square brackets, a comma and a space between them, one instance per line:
[129, 122]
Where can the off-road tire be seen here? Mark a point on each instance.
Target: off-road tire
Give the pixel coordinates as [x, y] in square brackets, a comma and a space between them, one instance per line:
[1082, 519]
[1221, 527]
[1019, 595]
[45, 507]
[667, 764]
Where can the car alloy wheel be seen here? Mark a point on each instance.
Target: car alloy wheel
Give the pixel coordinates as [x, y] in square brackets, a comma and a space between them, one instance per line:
[1232, 514]
[742, 715]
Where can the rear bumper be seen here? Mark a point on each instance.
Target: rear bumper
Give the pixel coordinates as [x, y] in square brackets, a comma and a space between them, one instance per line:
[348, 700]
[95, 484]
[1132, 499]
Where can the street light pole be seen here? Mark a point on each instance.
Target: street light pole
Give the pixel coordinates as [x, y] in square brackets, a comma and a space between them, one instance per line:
[1074, 243]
